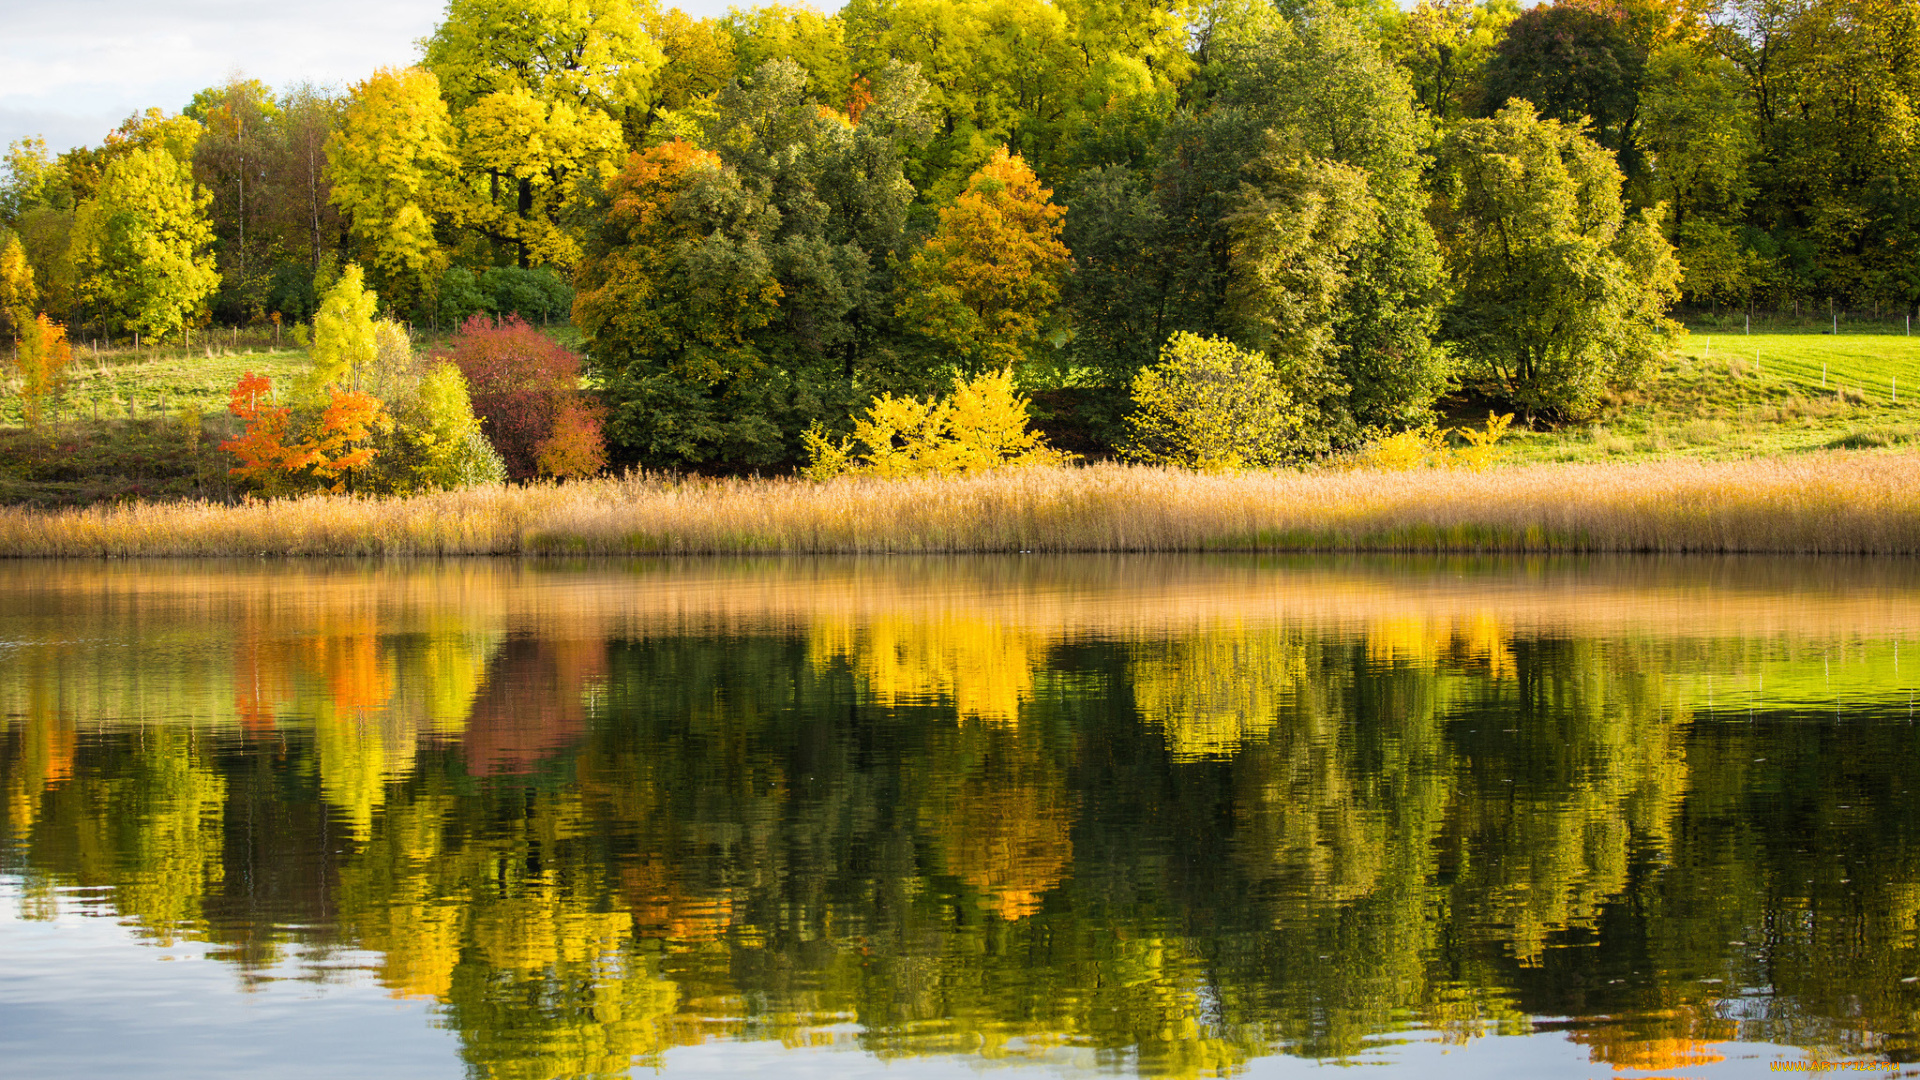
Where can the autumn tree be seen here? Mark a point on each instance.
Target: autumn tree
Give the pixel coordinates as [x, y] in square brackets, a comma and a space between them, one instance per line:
[671, 296]
[42, 357]
[543, 95]
[391, 165]
[277, 451]
[526, 392]
[1561, 292]
[698, 59]
[985, 282]
[19, 299]
[141, 244]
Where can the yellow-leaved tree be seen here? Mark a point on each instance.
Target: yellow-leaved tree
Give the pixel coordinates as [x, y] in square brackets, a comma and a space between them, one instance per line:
[346, 341]
[982, 426]
[392, 168]
[142, 244]
[986, 280]
[19, 299]
[546, 95]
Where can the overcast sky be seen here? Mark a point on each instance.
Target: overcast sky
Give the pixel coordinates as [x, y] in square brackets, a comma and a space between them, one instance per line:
[71, 70]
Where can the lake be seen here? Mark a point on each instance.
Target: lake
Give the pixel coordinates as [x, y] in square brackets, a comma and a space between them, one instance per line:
[1157, 816]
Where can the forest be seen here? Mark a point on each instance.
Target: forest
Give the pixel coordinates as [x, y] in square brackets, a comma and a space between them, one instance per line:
[745, 231]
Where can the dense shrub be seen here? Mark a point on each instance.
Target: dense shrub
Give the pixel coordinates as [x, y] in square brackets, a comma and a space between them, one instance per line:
[460, 296]
[526, 389]
[537, 295]
[1211, 405]
[983, 425]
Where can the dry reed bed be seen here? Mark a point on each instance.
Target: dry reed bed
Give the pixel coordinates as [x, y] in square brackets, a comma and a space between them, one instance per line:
[1839, 502]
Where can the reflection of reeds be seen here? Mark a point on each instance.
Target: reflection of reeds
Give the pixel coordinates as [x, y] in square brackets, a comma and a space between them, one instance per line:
[1825, 503]
[1115, 597]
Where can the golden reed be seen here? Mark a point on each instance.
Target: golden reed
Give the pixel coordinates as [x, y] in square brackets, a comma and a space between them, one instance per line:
[1834, 502]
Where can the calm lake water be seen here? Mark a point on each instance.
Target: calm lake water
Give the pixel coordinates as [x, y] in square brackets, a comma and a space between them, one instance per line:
[1066, 815]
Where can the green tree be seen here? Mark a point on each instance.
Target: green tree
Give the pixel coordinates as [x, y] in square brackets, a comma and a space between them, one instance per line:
[1576, 65]
[1560, 292]
[141, 246]
[809, 38]
[984, 284]
[391, 163]
[1209, 404]
[230, 161]
[1444, 45]
[1286, 214]
[840, 197]
[1697, 134]
[29, 175]
[672, 292]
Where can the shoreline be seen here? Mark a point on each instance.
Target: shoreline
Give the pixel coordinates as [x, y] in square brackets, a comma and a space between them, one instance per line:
[1838, 502]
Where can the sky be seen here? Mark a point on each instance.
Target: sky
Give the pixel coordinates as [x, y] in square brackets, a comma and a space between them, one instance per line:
[71, 70]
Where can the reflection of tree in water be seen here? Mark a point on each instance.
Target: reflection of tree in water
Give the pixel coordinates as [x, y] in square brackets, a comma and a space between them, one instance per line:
[1176, 850]
[1003, 818]
[532, 703]
[983, 668]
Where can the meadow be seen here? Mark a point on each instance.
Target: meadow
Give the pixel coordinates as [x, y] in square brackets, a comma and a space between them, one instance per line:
[1726, 394]
[137, 423]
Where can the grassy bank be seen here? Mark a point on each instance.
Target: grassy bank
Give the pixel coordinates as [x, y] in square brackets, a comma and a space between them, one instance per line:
[1833, 502]
[1729, 395]
[133, 424]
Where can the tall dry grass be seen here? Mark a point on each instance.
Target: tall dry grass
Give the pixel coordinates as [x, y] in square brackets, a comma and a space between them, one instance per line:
[1839, 502]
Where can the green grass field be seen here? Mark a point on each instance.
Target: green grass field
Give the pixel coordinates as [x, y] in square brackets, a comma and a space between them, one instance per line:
[1726, 395]
[130, 383]
[133, 424]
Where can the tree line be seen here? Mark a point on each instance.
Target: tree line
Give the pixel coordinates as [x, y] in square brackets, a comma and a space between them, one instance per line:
[762, 222]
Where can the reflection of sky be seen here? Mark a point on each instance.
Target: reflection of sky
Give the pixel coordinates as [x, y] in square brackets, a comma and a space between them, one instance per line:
[82, 995]
[71, 70]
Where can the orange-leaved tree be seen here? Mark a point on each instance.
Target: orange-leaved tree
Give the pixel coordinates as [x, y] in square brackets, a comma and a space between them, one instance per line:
[43, 356]
[339, 446]
[266, 458]
[985, 280]
[273, 458]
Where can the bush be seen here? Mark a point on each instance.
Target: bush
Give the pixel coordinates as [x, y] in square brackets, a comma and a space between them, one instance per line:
[526, 389]
[1209, 404]
[434, 442]
[461, 297]
[982, 426]
[537, 295]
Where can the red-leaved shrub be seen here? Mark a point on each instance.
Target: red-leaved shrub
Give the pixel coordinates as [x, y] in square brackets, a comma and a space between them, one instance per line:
[526, 390]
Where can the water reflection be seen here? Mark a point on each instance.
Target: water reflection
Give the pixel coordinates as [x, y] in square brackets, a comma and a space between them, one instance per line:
[1179, 813]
